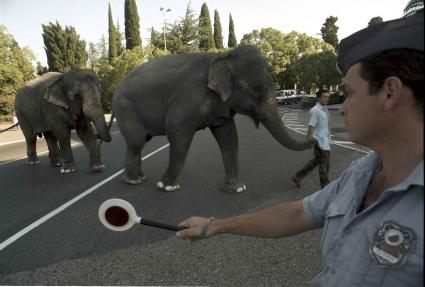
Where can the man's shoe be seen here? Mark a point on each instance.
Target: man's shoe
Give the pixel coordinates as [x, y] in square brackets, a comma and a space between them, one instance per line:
[296, 181]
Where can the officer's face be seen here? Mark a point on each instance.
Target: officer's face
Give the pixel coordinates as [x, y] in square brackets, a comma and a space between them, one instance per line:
[360, 109]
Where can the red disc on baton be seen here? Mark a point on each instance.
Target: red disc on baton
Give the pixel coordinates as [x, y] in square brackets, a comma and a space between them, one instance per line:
[116, 216]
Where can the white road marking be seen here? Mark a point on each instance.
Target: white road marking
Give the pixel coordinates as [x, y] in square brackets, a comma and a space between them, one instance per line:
[7, 143]
[43, 152]
[296, 125]
[64, 206]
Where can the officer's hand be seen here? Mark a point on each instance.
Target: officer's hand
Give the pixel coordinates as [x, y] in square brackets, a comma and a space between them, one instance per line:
[196, 228]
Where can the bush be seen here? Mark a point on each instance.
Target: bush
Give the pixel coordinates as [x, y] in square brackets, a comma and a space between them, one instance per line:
[7, 105]
[6, 119]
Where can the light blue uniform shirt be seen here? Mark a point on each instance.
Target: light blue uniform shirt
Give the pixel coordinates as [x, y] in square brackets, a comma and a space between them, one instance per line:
[320, 120]
[348, 235]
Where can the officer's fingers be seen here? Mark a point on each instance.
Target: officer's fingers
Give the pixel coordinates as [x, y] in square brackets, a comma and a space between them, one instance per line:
[193, 227]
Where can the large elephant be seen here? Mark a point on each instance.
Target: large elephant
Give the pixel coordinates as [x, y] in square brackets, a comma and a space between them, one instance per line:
[55, 103]
[177, 95]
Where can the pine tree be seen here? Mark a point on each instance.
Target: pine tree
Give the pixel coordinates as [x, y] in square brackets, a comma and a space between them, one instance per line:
[206, 40]
[119, 38]
[113, 53]
[218, 36]
[63, 47]
[188, 29]
[329, 31]
[232, 43]
[132, 26]
[156, 39]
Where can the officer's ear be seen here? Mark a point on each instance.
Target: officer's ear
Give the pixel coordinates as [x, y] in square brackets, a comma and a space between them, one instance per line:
[394, 93]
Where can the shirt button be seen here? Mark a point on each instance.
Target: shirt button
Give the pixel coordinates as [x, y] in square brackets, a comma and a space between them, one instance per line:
[333, 270]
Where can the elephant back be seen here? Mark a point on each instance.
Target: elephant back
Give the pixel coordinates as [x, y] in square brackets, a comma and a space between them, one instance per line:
[28, 100]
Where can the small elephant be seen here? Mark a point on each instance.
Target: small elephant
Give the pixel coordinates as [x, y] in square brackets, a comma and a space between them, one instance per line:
[177, 95]
[55, 103]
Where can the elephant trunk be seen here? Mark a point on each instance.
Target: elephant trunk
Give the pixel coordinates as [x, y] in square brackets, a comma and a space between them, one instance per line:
[271, 120]
[97, 117]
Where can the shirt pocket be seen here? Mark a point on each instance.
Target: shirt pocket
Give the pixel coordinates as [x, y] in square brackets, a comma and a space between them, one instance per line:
[332, 228]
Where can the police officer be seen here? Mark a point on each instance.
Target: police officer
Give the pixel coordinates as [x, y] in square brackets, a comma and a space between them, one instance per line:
[372, 215]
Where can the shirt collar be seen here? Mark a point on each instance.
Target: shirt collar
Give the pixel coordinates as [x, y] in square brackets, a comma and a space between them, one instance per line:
[370, 163]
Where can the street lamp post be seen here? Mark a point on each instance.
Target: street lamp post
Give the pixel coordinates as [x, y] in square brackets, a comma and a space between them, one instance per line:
[164, 10]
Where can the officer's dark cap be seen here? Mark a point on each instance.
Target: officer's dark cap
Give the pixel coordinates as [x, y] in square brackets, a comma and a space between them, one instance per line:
[403, 33]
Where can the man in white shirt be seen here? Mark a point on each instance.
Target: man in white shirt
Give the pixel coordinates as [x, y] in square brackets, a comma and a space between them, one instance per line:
[319, 129]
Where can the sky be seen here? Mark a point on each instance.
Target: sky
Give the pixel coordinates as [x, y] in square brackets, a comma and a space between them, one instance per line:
[23, 18]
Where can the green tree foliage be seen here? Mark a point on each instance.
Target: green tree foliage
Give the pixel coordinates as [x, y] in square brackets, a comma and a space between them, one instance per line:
[206, 40]
[218, 34]
[111, 75]
[40, 69]
[113, 49]
[329, 31]
[414, 7]
[231, 42]
[15, 70]
[282, 51]
[375, 20]
[63, 47]
[132, 26]
[317, 69]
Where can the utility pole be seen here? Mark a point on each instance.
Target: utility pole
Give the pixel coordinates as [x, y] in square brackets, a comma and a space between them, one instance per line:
[164, 10]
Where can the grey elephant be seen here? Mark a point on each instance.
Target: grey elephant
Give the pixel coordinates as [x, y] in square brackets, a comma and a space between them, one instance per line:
[55, 103]
[177, 95]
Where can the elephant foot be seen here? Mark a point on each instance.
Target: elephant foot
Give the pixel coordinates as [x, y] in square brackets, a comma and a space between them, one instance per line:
[167, 188]
[67, 170]
[99, 167]
[236, 188]
[33, 161]
[134, 181]
[55, 163]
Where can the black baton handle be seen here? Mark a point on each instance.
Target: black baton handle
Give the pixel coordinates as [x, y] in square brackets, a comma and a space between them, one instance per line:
[161, 225]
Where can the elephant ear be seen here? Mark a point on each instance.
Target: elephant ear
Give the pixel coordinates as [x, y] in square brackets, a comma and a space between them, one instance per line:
[220, 77]
[55, 94]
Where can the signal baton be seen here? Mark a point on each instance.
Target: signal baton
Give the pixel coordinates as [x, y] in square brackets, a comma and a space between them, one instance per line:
[119, 215]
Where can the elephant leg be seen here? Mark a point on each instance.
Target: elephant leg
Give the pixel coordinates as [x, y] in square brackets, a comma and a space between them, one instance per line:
[31, 141]
[64, 137]
[86, 134]
[227, 139]
[179, 145]
[32, 149]
[54, 152]
[134, 134]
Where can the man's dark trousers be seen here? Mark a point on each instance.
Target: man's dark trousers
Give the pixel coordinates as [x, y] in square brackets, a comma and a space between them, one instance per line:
[321, 159]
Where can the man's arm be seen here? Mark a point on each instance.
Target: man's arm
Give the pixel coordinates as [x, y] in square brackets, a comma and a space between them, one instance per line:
[310, 132]
[282, 220]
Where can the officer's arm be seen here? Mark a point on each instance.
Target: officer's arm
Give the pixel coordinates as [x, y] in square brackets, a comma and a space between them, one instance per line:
[285, 219]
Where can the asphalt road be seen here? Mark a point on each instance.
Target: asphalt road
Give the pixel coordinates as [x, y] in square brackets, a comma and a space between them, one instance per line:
[50, 234]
